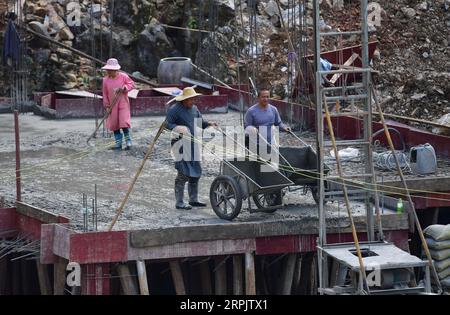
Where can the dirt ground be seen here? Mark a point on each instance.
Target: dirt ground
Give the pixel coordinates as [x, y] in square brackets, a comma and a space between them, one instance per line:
[58, 166]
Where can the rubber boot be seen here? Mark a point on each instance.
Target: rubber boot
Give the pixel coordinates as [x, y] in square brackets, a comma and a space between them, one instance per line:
[126, 133]
[179, 194]
[193, 195]
[118, 137]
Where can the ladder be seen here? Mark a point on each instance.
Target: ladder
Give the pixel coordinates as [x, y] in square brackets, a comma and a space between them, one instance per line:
[325, 97]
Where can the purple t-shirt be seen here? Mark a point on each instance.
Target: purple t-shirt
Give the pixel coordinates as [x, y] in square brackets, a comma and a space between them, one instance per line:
[257, 116]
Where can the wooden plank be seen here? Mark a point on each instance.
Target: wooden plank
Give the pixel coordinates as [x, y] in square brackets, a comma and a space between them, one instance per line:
[142, 277]
[250, 278]
[288, 274]
[171, 91]
[79, 93]
[44, 279]
[238, 287]
[127, 280]
[59, 276]
[313, 273]
[220, 275]
[177, 277]
[349, 61]
[205, 275]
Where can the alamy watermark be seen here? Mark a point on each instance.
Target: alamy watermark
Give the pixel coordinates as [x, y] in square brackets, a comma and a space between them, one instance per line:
[73, 278]
[230, 143]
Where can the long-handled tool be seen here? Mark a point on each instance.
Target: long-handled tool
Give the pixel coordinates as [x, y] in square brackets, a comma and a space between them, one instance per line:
[108, 112]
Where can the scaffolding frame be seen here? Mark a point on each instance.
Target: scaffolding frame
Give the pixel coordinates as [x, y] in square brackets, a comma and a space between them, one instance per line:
[339, 253]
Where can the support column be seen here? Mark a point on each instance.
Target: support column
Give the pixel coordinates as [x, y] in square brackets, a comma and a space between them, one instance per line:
[142, 277]
[297, 274]
[220, 276]
[205, 275]
[250, 283]
[288, 274]
[44, 279]
[59, 276]
[238, 286]
[177, 276]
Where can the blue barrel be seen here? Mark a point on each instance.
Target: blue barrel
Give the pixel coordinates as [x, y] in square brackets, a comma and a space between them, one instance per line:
[171, 70]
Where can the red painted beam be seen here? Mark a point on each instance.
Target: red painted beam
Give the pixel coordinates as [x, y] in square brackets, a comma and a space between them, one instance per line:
[99, 247]
[432, 200]
[307, 243]
[29, 226]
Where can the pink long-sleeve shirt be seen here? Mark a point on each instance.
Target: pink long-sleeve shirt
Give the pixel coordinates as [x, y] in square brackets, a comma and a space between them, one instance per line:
[120, 116]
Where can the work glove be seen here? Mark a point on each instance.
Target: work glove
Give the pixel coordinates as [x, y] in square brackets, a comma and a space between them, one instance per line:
[251, 131]
[178, 131]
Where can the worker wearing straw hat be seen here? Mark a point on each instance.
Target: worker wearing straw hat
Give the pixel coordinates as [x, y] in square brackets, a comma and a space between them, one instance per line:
[183, 118]
[115, 83]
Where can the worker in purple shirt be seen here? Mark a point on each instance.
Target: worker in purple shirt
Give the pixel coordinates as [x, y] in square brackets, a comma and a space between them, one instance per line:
[261, 115]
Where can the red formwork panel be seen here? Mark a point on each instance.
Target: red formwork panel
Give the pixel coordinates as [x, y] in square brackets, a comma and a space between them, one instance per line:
[98, 247]
[307, 243]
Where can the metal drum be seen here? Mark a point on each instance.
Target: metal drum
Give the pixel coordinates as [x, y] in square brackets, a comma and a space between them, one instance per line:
[171, 70]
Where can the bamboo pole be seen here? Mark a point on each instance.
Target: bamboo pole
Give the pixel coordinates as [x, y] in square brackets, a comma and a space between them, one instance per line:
[141, 167]
[411, 209]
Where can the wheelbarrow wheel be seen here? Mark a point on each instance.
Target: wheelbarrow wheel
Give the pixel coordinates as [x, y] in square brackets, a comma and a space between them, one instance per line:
[263, 201]
[226, 197]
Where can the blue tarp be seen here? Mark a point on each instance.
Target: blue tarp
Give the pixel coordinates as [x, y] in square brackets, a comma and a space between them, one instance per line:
[11, 45]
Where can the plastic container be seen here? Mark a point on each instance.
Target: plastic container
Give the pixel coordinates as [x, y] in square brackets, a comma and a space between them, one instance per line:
[399, 206]
[171, 70]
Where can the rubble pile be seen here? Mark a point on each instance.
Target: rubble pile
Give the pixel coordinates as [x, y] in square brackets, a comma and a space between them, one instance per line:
[414, 58]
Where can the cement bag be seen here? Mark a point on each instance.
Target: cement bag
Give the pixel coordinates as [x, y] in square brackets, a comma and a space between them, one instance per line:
[437, 245]
[446, 282]
[438, 232]
[440, 254]
[442, 265]
[444, 120]
[444, 274]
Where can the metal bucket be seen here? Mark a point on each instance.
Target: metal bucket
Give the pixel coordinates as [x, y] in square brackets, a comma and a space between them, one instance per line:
[171, 70]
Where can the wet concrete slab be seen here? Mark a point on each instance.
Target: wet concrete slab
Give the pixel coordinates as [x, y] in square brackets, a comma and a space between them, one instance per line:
[58, 166]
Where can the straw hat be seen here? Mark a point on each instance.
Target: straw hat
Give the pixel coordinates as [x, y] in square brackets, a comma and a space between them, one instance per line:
[187, 93]
[111, 64]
